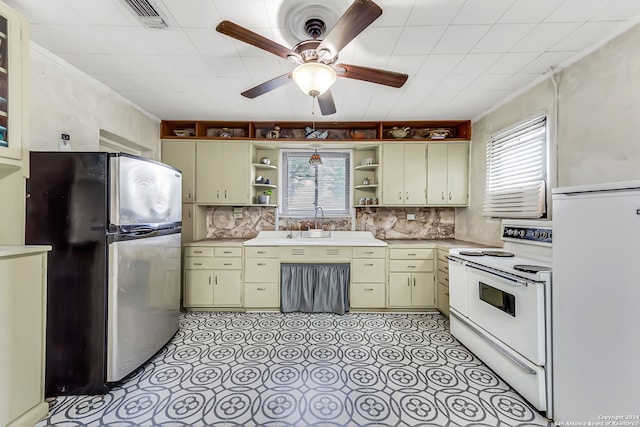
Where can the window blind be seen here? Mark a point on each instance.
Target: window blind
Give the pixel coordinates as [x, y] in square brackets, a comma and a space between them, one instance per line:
[517, 172]
[304, 186]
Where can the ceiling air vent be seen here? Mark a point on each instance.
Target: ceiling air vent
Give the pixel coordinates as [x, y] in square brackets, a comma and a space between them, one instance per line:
[147, 13]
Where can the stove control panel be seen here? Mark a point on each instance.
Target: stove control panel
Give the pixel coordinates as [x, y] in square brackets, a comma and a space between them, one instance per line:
[533, 234]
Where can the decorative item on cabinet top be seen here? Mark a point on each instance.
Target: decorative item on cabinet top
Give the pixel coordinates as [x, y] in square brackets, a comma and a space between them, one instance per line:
[355, 131]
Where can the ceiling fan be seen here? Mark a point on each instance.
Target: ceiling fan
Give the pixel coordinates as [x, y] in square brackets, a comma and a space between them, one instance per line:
[316, 58]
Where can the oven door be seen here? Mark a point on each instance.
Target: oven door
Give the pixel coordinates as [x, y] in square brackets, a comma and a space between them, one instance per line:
[510, 309]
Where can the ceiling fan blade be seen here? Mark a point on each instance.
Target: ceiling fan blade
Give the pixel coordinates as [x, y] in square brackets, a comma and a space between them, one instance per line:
[327, 106]
[267, 86]
[373, 75]
[358, 17]
[245, 35]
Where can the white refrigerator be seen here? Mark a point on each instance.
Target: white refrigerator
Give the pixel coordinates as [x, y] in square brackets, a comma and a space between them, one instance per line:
[596, 303]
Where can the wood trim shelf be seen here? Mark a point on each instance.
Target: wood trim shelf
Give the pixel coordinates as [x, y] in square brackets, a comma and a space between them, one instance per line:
[366, 132]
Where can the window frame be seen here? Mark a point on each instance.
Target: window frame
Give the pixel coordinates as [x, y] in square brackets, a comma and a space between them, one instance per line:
[541, 186]
[283, 184]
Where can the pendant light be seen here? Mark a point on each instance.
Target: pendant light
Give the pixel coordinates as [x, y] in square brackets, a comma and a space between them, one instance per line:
[315, 159]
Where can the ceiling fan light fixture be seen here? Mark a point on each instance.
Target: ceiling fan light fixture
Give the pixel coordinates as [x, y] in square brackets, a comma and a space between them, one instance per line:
[314, 78]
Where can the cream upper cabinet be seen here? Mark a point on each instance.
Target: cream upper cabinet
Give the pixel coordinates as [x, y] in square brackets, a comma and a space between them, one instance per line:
[14, 41]
[182, 155]
[447, 173]
[223, 173]
[404, 174]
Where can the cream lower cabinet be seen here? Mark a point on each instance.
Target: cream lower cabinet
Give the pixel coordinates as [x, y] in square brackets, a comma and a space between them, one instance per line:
[368, 272]
[23, 302]
[443, 281]
[261, 289]
[212, 276]
[411, 278]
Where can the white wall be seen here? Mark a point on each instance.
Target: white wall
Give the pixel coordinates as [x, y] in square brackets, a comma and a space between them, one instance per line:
[63, 99]
[598, 122]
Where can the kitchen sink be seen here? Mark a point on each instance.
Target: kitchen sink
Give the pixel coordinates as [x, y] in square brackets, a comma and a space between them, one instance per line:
[316, 233]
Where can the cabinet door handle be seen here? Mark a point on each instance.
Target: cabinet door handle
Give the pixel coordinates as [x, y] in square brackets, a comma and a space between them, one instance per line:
[262, 252]
[409, 281]
[399, 195]
[449, 195]
[261, 289]
[406, 195]
[414, 282]
[197, 252]
[225, 194]
[411, 266]
[189, 213]
[197, 263]
[412, 254]
[226, 252]
[369, 253]
[368, 265]
[209, 280]
[442, 195]
[262, 264]
[446, 293]
[217, 194]
[227, 263]
[368, 289]
[189, 194]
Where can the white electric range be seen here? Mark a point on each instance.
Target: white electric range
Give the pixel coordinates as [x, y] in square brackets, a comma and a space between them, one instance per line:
[501, 307]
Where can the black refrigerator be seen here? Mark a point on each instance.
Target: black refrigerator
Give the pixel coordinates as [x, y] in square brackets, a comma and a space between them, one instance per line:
[113, 286]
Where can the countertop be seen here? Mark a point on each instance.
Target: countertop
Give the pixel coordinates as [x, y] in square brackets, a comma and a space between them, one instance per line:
[443, 243]
[6, 251]
[213, 242]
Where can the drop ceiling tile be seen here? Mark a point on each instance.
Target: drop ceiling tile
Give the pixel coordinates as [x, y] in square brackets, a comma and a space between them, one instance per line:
[475, 12]
[476, 63]
[375, 42]
[189, 66]
[380, 103]
[434, 12]
[486, 82]
[542, 63]
[126, 40]
[210, 42]
[193, 13]
[226, 66]
[172, 41]
[46, 12]
[455, 83]
[460, 38]
[501, 37]
[620, 10]
[437, 67]
[577, 11]
[394, 13]
[238, 12]
[418, 40]
[103, 12]
[527, 11]
[210, 85]
[587, 35]
[544, 36]
[66, 39]
[263, 69]
[517, 81]
[511, 62]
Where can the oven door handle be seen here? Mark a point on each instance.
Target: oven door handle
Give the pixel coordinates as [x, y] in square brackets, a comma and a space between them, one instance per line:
[456, 260]
[501, 275]
[496, 346]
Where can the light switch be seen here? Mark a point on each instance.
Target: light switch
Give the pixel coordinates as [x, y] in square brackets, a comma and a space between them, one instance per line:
[237, 212]
[411, 217]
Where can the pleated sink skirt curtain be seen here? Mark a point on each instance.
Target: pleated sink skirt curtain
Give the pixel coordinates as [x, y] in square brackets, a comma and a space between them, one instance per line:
[314, 288]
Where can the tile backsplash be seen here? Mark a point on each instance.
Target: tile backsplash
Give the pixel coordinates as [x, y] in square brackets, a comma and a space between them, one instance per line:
[384, 223]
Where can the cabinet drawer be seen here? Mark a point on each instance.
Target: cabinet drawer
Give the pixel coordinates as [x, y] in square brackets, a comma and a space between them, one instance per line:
[261, 295]
[443, 299]
[443, 278]
[261, 269]
[198, 251]
[199, 263]
[411, 266]
[315, 253]
[410, 253]
[368, 270]
[443, 266]
[368, 252]
[261, 252]
[442, 255]
[367, 295]
[228, 252]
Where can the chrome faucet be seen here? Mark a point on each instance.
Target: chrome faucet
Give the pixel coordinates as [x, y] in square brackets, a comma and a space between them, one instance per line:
[315, 217]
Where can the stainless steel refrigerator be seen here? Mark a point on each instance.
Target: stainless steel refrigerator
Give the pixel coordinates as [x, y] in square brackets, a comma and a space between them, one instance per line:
[113, 287]
[596, 304]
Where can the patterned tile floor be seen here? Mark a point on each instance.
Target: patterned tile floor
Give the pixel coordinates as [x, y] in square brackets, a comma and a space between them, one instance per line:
[274, 369]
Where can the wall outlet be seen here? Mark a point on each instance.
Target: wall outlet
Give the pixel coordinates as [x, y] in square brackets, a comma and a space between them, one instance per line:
[411, 217]
[237, 213]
